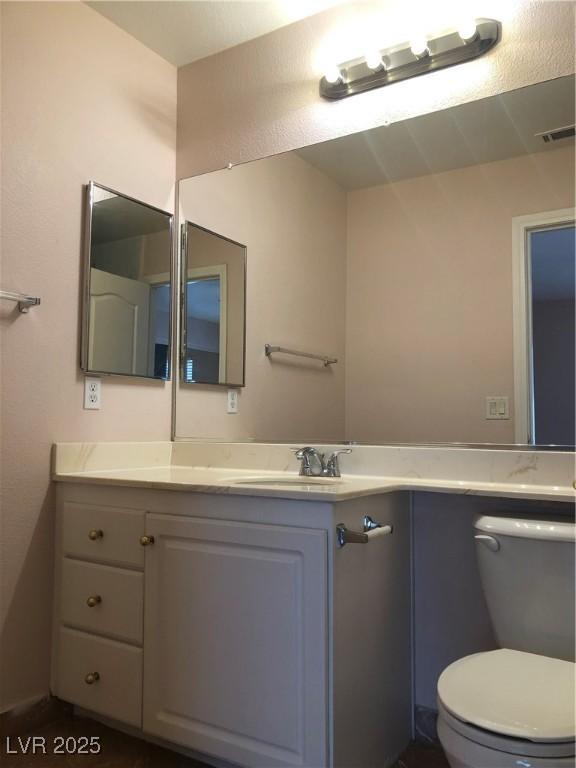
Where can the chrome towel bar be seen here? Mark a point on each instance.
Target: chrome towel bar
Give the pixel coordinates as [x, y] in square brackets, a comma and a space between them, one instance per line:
[24, 301]
[372, 530]
[269, 349]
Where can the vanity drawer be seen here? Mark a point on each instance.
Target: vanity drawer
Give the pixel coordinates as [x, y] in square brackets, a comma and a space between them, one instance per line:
[107, 534]
[117, 691]
[102, 599]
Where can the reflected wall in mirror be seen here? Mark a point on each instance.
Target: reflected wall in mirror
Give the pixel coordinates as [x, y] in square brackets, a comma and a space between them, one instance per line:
[213, 308]
[392, 250]
[127, 293]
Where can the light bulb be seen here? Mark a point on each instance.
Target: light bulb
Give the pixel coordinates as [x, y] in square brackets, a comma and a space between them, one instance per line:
[333, 75]
[468, 30]
[374, 61]
[419, 47]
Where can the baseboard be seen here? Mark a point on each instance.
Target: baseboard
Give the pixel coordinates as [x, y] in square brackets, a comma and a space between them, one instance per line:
[425, 725]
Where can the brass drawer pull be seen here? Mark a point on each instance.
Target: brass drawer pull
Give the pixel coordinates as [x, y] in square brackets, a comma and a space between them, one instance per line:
[93, 601]
[95, 534]
[146, 540]
[91, 678]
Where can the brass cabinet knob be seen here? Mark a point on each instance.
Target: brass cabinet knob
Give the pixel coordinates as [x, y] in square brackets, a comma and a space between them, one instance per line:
[146, 540]
[93, 601]
[91, 678]
[95, 534]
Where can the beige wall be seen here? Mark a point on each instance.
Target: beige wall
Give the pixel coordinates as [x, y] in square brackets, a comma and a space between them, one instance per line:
[429, 297]
[261, 97]
[292, 220]
[81, 100]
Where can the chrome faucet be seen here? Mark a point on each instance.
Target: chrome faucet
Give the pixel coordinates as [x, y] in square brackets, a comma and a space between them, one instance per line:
[315, 464]
[333, 464]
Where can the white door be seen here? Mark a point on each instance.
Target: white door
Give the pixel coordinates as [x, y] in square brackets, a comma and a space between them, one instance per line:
[236, 641]
[118, 338]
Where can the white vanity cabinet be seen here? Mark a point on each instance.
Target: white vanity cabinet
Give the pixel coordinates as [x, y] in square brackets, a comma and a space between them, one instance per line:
[236, 639]
[99, 608]
[235, 626]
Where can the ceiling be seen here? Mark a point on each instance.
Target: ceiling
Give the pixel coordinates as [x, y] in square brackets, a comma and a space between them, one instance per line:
[183, 31]
[481, 131]
[117, 218]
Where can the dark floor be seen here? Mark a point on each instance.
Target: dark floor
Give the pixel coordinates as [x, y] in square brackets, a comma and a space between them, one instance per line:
[121, 751]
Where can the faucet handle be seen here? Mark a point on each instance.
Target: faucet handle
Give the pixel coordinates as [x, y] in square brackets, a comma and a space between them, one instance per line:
[305, 455]
[332, 464]
[302, 452]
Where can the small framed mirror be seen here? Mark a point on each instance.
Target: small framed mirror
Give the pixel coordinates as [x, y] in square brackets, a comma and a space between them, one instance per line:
[127, 286]
[213, 308]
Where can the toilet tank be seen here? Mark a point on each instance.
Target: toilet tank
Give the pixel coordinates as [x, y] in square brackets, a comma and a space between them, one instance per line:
[527, 569]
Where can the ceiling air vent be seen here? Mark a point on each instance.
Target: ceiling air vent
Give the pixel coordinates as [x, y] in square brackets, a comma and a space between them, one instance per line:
[558, 134]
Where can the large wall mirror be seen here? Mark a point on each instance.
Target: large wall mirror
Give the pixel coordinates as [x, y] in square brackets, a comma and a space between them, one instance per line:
[432, 258]
[127, 292]
[213, 279]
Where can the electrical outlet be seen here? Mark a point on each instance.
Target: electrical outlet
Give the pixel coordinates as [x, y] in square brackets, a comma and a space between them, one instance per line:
[232, 401]
[92, 394]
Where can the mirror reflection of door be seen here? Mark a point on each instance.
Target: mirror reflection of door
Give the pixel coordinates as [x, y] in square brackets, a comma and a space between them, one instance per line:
[206, 302]
[128, 311]
[552, 310]
[213, 273]
[119, 318]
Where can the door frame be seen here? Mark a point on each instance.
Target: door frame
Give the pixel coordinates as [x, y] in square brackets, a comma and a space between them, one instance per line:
[522, 228]
[154, 280]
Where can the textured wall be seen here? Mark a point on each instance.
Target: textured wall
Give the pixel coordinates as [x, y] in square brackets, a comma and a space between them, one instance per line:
[292, 219]
[261, 97]
[429, 297]
[81, 100]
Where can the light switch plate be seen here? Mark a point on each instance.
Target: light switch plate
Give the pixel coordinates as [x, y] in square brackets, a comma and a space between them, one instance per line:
[497, 407]
[92, 394]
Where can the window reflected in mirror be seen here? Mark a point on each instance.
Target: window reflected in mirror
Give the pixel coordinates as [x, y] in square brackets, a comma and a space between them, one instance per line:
[128, 287]
[213, 328]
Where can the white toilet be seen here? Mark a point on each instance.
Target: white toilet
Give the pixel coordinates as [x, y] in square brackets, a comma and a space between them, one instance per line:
[514, 707]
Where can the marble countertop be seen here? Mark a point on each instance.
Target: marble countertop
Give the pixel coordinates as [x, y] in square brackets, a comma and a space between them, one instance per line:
[255, 482]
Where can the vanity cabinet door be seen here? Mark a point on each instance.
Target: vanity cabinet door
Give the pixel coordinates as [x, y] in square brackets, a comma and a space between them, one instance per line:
[236, 640]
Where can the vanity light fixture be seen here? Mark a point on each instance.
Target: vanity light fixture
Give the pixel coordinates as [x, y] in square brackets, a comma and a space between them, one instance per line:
[468, 31]
[470, 40]
[419, 47]
[374, 61]
[334, 76]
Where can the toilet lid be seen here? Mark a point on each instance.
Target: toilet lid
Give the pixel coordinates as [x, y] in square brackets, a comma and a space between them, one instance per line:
[513, 693]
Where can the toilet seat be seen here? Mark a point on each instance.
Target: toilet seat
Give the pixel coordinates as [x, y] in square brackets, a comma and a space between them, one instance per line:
[507, 694]
[499, 744]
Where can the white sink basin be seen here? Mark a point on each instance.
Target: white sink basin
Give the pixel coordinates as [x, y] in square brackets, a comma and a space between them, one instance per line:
[296, 482]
